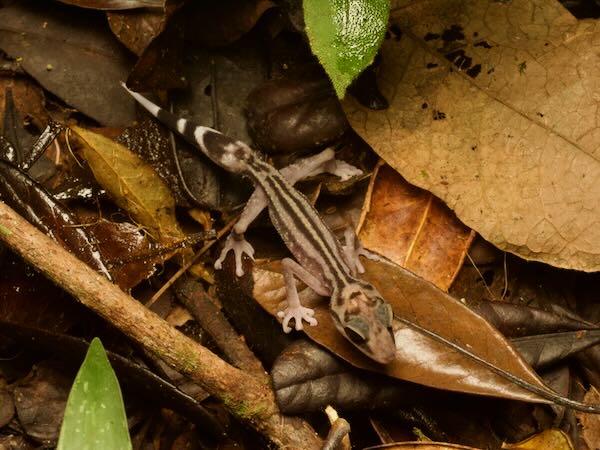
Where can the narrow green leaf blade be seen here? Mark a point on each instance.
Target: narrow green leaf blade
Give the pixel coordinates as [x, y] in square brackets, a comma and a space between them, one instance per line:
[345, 35]
[95, 415]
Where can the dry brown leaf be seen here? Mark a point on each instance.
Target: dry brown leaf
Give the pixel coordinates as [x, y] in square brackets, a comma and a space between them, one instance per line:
[132, 184]
[546, 440]
[414, 229]
[420, 358]
[493, 108]
[590, 423]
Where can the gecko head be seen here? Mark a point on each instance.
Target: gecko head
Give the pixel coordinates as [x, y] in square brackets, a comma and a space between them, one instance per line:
[365, 319]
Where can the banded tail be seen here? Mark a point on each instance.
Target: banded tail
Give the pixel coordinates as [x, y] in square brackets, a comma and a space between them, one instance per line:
[222, 150]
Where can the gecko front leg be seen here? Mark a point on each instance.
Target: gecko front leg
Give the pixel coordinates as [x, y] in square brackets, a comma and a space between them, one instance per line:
[236, 240]
[353, 249]
[322, 162]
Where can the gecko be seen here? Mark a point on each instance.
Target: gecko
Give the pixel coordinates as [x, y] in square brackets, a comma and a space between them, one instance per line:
[358, 310]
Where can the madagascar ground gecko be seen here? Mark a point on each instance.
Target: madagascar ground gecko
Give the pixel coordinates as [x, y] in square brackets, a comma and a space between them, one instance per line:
[358, 310]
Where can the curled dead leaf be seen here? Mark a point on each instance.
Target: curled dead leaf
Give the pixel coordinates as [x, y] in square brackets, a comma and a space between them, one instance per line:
[414, 229]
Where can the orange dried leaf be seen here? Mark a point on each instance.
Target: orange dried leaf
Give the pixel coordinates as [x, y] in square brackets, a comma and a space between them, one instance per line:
[414, 229]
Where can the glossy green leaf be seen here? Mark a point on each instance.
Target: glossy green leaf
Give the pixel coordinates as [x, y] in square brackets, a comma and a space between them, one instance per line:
[95, 415]
[345, 35]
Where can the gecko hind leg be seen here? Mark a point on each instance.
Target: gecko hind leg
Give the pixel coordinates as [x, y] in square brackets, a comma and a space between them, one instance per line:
[353, 249]
[294, 309]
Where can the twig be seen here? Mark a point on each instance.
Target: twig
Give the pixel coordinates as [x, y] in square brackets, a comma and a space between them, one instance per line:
[190, 263]
[244, 396]
[192, 294]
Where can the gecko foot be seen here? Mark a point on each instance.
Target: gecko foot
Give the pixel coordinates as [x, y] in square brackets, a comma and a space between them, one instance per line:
[339, 168]
[298, 313]
[240, 246]
[353, 249]
[342, 169]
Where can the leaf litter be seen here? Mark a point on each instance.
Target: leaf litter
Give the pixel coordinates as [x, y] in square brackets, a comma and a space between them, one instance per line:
[446, 40]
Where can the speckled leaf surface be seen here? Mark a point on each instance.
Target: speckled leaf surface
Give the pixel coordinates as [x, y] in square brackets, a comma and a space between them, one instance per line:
[95, 415]
[493, 108]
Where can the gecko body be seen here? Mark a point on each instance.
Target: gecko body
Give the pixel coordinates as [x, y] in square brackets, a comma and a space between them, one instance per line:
[358, 310]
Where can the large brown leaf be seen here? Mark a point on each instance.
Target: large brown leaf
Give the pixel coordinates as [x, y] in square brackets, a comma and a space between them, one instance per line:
[493, 108]
[422, 311]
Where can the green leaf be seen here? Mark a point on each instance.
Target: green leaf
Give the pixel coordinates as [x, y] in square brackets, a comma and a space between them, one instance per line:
[95, 415]
[345, 35]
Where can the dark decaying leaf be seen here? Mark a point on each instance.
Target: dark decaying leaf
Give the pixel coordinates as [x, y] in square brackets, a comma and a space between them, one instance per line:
[307, 378]
[72, 53]
[158, 40]
[545, 349]
[441, 343]
[589, 362]
[13, 131]
[40, 401]
[218, 86]
[217, 24]
[152, 143]
[225, 78]
[136, 29]
[32, 202]
[29, 298]
[516, 320]
[115, 4]
[127, 251]
[7, 404]
[295, 115]
[29, 101]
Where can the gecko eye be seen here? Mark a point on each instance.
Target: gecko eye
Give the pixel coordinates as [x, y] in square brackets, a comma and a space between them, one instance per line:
[357, 330]
[385, 314]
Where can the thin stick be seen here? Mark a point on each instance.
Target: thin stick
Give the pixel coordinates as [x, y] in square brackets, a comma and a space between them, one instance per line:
[185, 267]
